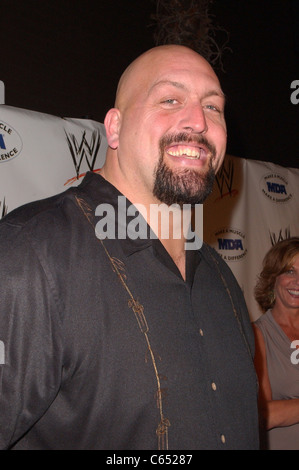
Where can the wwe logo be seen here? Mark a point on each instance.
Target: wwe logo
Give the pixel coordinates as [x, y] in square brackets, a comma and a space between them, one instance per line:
[3, 212]
[225, 177]
[84, 149]
[275, 239]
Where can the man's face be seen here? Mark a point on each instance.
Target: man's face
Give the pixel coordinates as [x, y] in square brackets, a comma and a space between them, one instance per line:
[172, 134]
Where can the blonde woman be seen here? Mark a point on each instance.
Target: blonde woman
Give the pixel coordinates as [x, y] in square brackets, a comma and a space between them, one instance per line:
[277, 335]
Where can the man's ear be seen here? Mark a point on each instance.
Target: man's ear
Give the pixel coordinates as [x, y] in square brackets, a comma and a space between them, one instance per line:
[112, 126]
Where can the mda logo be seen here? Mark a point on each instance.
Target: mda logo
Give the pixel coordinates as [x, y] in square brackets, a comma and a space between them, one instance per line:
[230, 244]
[275, 187]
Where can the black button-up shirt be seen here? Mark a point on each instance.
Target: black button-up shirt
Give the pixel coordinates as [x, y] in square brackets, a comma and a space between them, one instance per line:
[107, 347]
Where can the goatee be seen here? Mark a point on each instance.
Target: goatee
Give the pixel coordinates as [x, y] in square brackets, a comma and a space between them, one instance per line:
[183, 186]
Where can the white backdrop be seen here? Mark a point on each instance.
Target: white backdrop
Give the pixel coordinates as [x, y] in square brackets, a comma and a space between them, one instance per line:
[253, 204]
[41, 154]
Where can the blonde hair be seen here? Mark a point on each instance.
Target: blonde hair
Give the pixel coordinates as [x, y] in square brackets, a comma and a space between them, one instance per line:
[277, 261]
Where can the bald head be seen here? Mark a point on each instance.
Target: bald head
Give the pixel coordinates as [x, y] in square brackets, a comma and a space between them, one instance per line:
[144, 69]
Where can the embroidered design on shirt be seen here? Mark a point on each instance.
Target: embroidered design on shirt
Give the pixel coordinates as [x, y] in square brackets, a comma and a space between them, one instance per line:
[119, 268]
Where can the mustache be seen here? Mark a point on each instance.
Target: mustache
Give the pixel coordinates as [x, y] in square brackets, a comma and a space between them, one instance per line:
[169, 139]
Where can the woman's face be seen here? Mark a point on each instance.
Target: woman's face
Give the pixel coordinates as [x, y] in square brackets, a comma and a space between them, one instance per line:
[287, 287]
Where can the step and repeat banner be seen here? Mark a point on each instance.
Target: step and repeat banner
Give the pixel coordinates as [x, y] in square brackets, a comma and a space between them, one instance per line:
[253, 204]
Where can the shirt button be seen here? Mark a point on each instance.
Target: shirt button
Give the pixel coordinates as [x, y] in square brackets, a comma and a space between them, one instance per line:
[214, 386]
[222, 437]
[201, 332]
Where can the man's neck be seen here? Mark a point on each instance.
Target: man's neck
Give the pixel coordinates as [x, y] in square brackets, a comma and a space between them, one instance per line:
[176, 249]
[169, 223]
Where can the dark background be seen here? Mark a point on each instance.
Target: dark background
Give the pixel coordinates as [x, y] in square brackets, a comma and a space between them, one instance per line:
[64, 57]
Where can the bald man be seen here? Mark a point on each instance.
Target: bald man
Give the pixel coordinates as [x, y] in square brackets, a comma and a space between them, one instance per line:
[117, 336]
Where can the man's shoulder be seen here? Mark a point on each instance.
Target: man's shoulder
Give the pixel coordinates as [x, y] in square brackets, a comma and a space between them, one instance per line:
[43, 211]
[211, 255]
[217, 263]
[28, 213]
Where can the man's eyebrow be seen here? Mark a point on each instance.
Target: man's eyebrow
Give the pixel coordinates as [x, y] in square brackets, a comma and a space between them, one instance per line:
[167, 82]
[214, 92]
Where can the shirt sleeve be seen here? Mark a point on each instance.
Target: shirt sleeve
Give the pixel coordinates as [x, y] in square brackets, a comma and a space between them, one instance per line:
[30, 336]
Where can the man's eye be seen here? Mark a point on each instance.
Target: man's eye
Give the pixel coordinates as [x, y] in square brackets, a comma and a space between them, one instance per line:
[212, 107]
[170, 101]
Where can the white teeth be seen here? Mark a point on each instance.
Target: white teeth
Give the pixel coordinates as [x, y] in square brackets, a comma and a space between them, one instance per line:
[187, 152]
[293, 292]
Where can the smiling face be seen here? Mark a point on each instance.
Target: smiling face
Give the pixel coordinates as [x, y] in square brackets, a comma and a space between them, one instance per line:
[287, 287]
[168, 127]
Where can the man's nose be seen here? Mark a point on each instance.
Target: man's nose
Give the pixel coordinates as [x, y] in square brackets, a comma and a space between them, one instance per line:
[194, 119]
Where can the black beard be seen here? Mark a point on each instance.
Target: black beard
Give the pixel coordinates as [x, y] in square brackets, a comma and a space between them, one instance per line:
[184, 186]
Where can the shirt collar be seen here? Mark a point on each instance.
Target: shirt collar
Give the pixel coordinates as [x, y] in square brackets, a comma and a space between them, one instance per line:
[96, 190]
